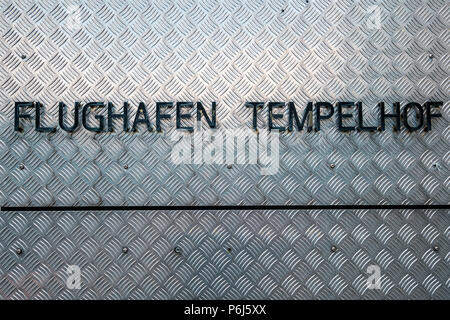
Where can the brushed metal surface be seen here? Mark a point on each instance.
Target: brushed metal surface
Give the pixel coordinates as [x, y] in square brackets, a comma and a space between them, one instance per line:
[226, 254]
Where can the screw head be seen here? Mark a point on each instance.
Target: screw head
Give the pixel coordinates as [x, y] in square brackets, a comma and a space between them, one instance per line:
[229, 166]
[19, 251]
[431, 56]
[125, 167]
[333, 248]
[332, 166]
[124, 250]
[177, 250]
[436, 248]
[23, 56]
[21, 166]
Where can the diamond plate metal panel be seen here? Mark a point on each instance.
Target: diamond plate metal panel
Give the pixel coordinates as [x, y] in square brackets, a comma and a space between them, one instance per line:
[226, 254]
[228, 52]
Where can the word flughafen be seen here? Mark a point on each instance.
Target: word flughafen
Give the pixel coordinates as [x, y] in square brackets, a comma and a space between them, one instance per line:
[349, 116]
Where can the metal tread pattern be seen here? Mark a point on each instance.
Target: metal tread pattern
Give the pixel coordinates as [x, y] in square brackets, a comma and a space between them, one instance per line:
[226, 254]
[229, 52]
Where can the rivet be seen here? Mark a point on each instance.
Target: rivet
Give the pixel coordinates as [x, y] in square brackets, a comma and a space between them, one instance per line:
[23, 56]
[21, 166]
[436, 248]
[333, 248]
[124, 250]
[229, 166]
[19, 251]
[125, 167]
[332, 166]
[431, 56]
[177, 250]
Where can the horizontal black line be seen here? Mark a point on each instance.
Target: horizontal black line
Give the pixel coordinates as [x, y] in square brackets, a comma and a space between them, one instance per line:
[229, 207]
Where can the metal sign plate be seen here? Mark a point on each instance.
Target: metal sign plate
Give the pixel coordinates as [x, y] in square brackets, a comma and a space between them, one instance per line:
[230, 53]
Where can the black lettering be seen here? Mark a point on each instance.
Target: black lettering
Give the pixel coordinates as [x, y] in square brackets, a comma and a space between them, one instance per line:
[142, 110]
[319, 117]
[419, 115]
[428, 106]
[39, 128]
[273, 116]
[200, 110]
[307, 116]
[18, 115]
[160, 115]
[63, 126]
[395, 115]
[255, 106]
[112, 116]
[361, 126]
[341, 115]
[180, 115]
[100, 118]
